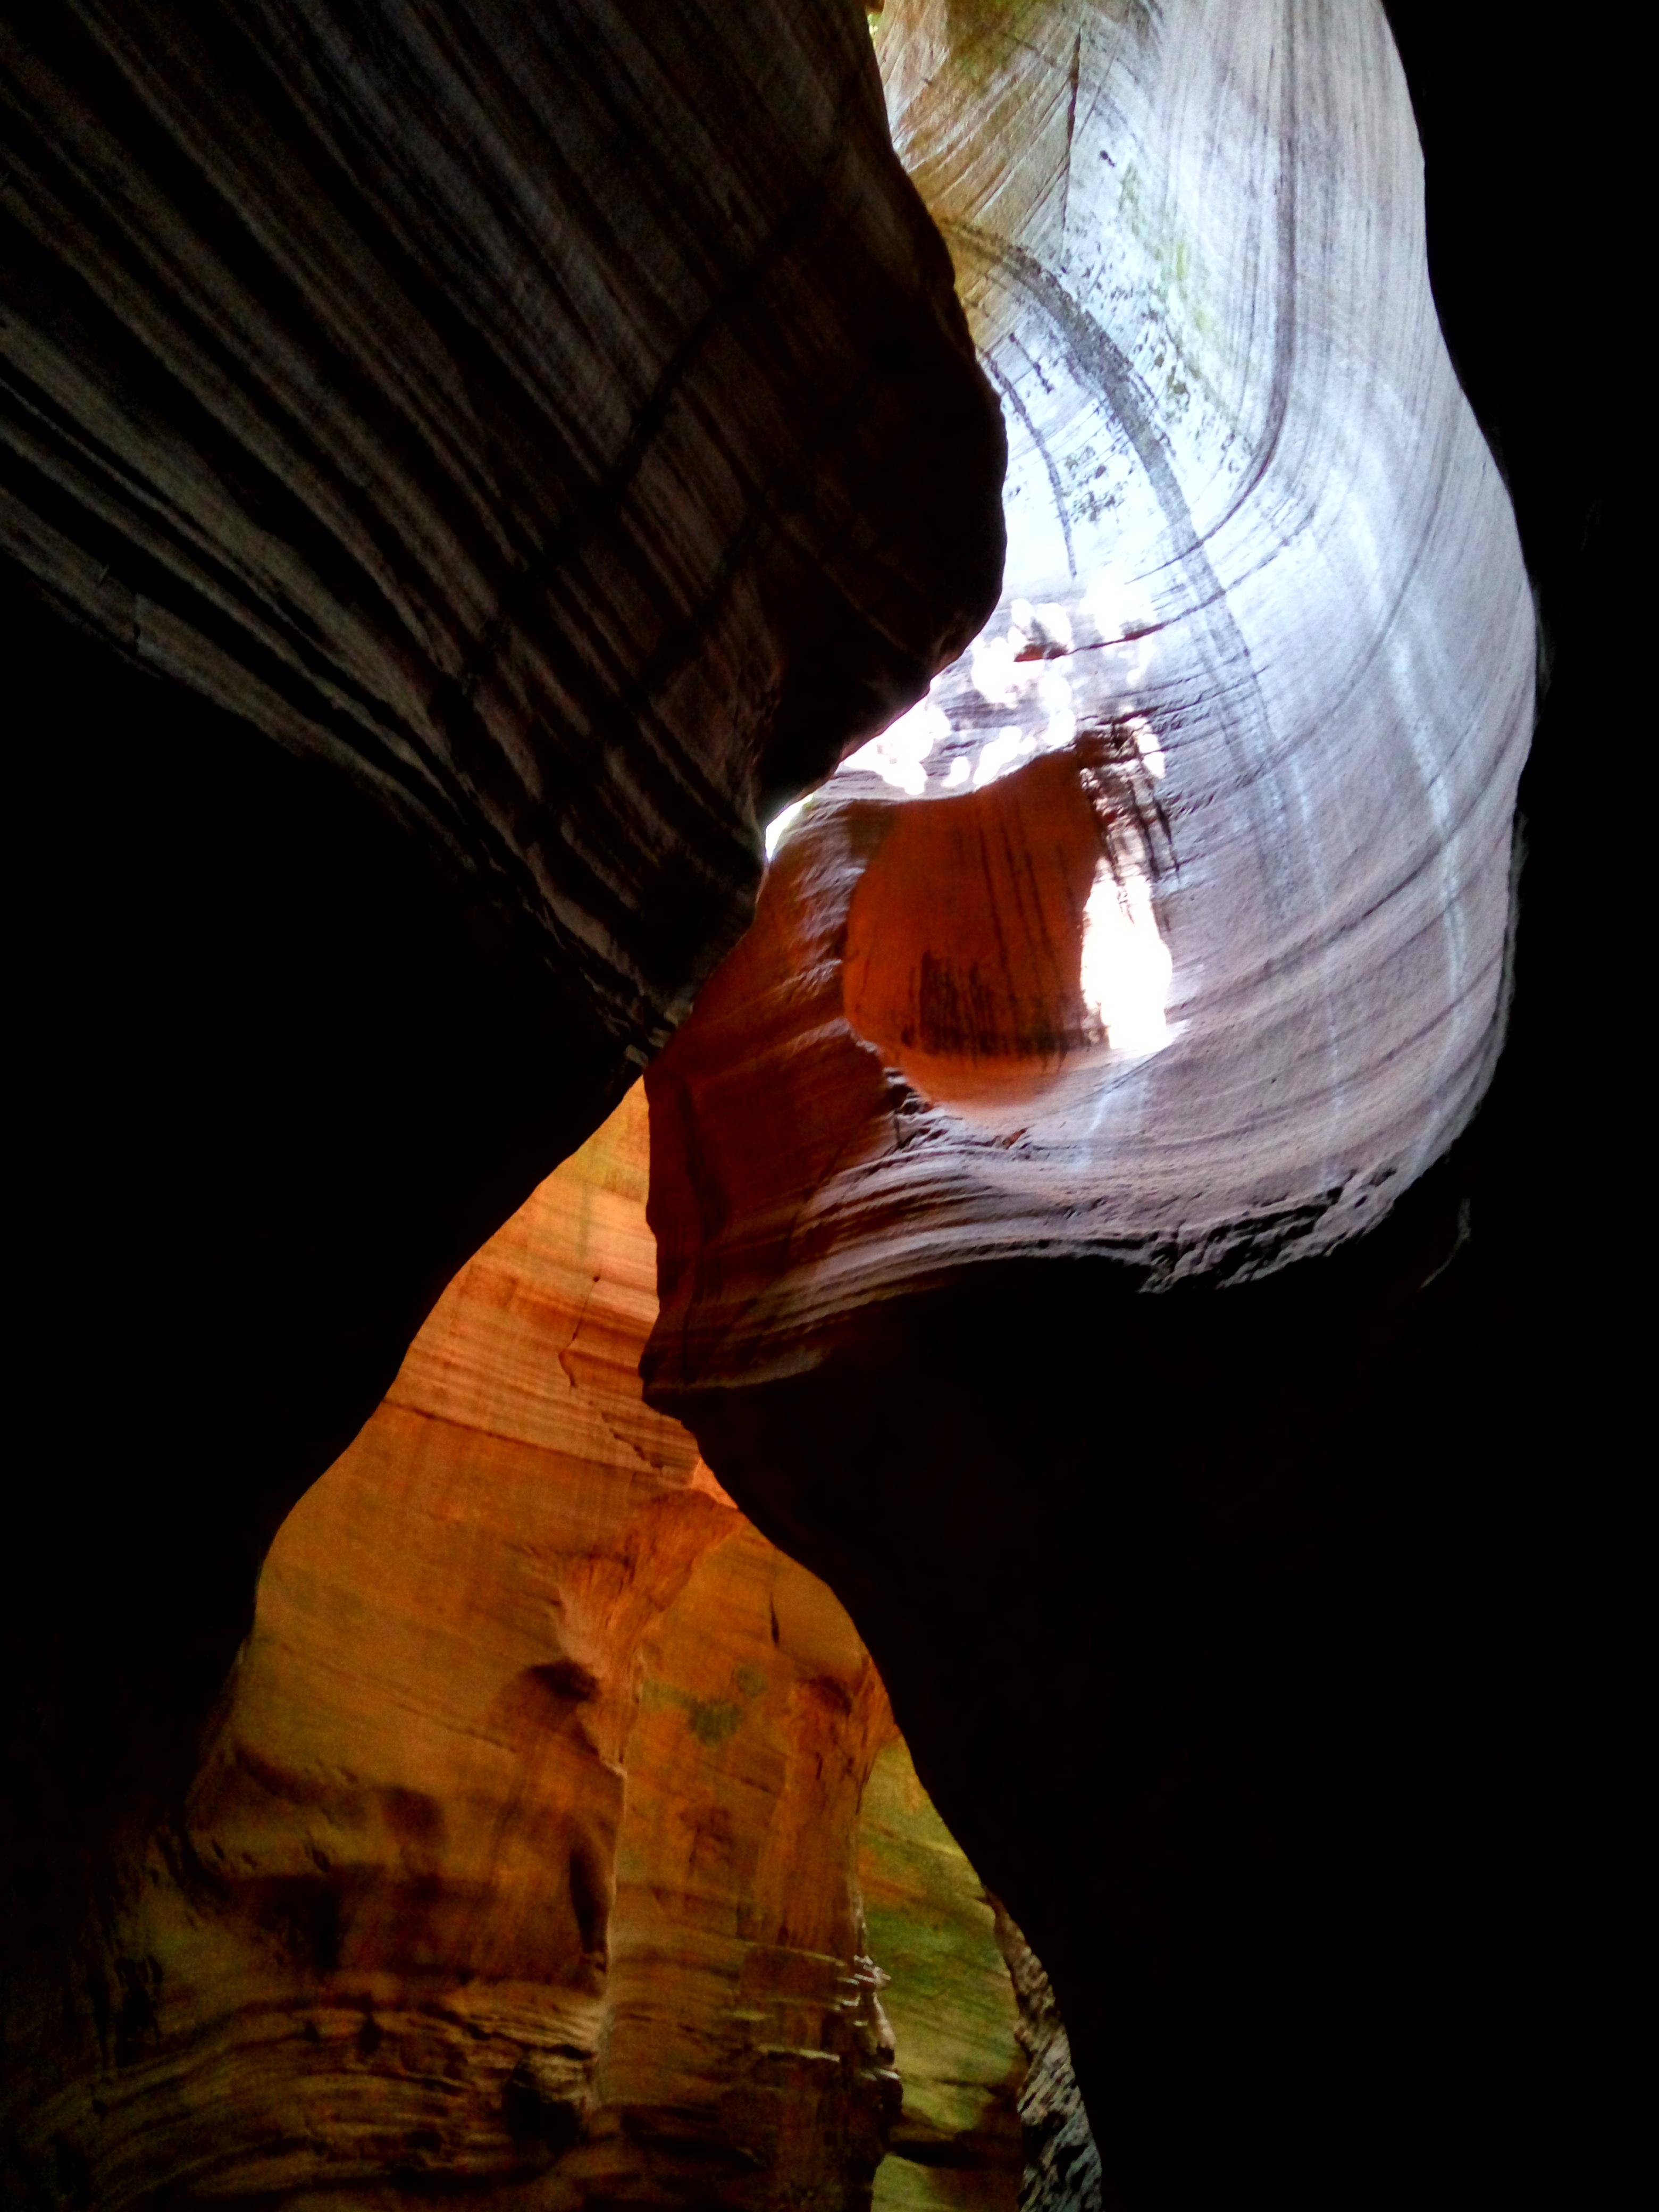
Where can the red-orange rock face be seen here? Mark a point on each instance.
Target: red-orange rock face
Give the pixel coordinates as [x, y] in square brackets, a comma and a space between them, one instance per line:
[457, 472]
[523, 1856]
[460, 468]
[963, 963]
[852, 1106]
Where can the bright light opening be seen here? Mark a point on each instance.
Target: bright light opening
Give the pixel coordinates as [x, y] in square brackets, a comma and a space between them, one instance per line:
[1051, 668]
[897, 755]
[1126, 967]
[778, 827]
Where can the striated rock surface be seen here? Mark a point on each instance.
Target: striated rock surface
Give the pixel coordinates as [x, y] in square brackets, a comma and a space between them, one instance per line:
[1062, 2166]
[748, 2061]
[371, 1942]
[525, 1856]
[1195, 952]
[958, 2141]
[562, 431]
[461, 469]
[1008, 1177]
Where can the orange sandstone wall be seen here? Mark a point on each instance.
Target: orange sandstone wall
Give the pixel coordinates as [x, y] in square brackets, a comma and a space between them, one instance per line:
[523, 1850]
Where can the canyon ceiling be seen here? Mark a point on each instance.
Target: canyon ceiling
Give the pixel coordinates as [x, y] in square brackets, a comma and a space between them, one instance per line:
[1011, 600]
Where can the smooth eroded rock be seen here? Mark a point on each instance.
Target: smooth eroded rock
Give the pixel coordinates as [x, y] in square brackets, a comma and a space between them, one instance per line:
[526, 1855]
[460, 469]
[1095, 1263]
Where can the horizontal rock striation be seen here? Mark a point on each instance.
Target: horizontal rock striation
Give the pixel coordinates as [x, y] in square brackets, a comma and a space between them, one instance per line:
[523, 1861]
[460, 469]
[565, 433]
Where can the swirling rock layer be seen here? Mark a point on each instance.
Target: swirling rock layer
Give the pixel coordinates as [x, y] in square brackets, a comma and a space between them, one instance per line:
[459, 469]
[1214, 1619]
[1257, 546]
[525, 1859]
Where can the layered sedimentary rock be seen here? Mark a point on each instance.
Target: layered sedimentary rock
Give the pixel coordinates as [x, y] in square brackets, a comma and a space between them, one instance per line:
[1010, 1178]
[1062, 2163]
[563, 432]
[525, 1858]
[1349, 1638]
[958, 2141]
[459, 469]
[748, 2061]
[1201, 951]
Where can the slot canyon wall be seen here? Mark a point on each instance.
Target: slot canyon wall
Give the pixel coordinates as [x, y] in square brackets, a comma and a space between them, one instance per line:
[1173, 1329]
[1123, 1218]
[525, 1856]
[460, 469]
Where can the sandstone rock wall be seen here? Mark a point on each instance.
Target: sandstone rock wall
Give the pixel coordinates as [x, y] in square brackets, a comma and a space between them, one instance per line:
[958, 2142]
[525, 1855]
[505, 408]
[460, 468]
[1264, 616]
[1087, 1347]
[1062, 2163]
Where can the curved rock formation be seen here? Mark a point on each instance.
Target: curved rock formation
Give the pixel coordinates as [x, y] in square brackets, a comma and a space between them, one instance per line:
[1265, 1642]
[1164, 951]
[525, 1856]
[460, 469]
[1265, 622]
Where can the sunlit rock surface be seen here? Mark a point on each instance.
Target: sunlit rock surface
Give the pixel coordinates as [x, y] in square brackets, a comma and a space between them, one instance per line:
[525, 1858]
[461, 469]
[958, 2142]
[1009, 1177]
[1264, 601]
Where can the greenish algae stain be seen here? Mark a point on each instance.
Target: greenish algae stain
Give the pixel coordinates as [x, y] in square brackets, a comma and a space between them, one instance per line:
[713, 1721]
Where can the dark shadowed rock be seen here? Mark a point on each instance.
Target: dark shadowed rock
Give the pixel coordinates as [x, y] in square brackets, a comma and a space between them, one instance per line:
[1189, 1408]
[1062, 2166]
[460, 469]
